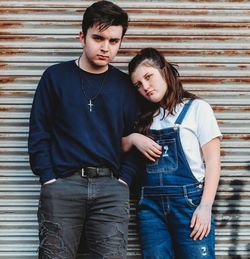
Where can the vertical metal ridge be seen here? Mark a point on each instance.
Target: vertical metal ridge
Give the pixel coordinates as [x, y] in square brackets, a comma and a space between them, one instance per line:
[209, 40]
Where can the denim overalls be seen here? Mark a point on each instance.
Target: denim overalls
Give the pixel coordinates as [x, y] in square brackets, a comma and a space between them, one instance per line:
[169, 197]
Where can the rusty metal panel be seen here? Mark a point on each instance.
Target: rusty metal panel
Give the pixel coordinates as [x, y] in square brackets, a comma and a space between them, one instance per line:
[208, 39]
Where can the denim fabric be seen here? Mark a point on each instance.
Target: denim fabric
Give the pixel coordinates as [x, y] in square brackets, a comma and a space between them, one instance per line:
[172, 167]
[97, 206]
[164, 217]
[169, 197]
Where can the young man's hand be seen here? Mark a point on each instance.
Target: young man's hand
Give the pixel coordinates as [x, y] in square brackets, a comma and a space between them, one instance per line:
[121, 181]
[50, 181]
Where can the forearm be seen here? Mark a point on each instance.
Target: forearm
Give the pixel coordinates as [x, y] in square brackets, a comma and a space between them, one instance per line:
[212, 177]
[40, 128]
[212, 174]
[39, 153]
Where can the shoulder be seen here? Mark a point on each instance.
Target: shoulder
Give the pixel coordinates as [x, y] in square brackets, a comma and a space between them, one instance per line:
[205, 121]
[202, 113]
[120, 74]
[199, 111]
[60, 67]
[200, 106]
[55, 75]
[122, 80]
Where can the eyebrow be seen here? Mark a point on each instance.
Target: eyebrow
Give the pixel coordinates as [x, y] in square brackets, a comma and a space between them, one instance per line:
[143, 76]
[146, 74]
[98, 35]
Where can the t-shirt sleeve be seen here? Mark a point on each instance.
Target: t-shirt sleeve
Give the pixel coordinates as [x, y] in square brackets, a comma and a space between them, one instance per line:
[207, 126]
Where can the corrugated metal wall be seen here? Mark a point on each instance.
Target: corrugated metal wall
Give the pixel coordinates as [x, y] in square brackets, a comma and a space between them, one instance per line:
[210, 40]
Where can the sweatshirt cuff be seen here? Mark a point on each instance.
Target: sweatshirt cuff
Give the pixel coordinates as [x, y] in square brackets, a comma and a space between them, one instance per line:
[46, 175]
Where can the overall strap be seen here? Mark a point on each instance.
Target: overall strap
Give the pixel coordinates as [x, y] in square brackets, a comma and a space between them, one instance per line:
[183, 112]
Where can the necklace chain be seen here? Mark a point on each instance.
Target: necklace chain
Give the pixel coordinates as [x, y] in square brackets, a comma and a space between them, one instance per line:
[91, 99]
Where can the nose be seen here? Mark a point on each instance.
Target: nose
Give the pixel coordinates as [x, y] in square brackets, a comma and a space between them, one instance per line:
[105, 46]
[145, 85]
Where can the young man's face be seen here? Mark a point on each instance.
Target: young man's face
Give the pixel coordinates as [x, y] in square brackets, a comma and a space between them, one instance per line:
[100, 47]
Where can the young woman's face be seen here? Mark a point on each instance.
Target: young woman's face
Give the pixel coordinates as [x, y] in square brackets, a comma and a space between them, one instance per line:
[149, 83]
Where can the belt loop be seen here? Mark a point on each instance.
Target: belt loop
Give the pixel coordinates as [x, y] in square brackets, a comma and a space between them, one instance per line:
[142, 192]
[185, 190]
[83, 172]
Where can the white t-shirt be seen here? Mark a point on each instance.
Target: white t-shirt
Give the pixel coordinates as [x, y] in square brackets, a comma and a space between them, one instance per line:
[198, 127]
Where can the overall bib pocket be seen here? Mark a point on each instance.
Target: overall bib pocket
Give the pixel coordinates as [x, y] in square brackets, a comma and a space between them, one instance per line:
[168, 162]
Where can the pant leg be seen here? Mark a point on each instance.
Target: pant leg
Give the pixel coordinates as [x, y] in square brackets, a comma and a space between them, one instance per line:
[156, 242]
[106, 226]
[182, 209]
[61, 215]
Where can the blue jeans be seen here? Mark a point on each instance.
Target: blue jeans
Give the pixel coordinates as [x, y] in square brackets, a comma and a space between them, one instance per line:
[99, 207]
[164, 215]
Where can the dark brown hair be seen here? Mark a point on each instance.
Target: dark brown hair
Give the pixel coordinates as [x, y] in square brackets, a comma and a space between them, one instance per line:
[104, 14]
[174, 95]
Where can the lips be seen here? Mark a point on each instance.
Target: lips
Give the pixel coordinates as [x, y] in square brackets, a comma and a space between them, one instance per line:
[150, 93]
[103, 57]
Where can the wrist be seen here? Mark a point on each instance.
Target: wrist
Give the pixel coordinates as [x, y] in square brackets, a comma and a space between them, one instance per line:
[127, 143]
[135, 138]
[131, 139]
[207, 205]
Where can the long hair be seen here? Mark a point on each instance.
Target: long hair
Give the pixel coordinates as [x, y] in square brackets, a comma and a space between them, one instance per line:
[174, 95]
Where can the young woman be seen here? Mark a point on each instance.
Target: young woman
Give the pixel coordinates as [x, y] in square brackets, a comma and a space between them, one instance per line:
[178, 132]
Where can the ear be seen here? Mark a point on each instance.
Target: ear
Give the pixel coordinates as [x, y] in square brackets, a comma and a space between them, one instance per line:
[82, 38]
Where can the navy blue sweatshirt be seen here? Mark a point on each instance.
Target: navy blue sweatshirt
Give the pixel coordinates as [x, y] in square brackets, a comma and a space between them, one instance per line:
[65, 136]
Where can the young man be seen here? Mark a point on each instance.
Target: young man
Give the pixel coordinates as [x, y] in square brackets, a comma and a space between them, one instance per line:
[81, 110]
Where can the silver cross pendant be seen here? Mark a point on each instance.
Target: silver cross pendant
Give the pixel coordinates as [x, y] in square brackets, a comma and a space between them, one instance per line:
[90, 104]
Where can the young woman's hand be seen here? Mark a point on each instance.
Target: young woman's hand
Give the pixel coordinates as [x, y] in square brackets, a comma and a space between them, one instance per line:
[149, 148]
[201, 222]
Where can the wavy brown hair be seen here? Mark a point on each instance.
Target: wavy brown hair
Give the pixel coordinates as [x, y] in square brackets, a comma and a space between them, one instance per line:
[174, 95]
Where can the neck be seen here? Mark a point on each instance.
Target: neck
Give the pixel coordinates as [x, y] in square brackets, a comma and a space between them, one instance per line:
[91, 68]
